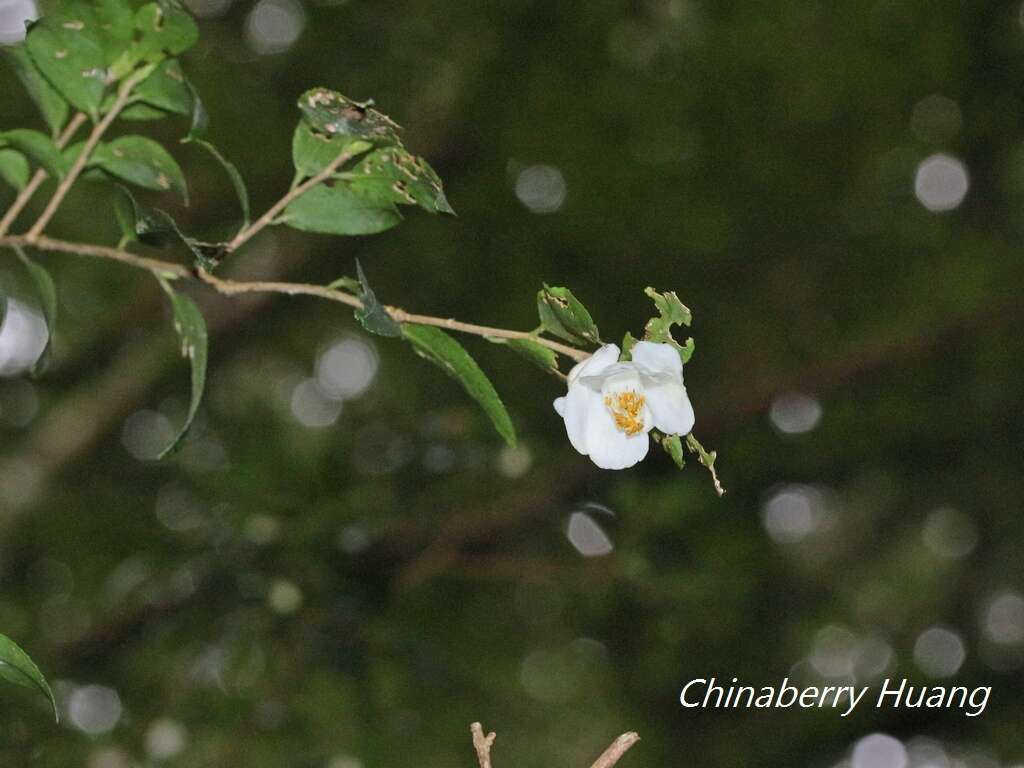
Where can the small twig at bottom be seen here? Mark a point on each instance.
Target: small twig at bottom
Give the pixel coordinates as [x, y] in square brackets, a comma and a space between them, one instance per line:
[482, 743]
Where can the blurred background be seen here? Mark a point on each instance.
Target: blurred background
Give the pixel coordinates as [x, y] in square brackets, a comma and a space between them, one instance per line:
[345, 567]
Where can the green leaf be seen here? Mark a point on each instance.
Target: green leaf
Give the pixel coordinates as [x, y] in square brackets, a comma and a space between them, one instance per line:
[47, 293]
[373, 315]
[51, 104]
[337, 210]
[628, 342]
[191, 328]
[348, 284]
[671, 312]
[393, 175]
[335, 115]
[67, 47]
[17, 667]
[707, 458]
[236, 178]
[538, 354]
[562, 314]
[39, 147]
[155, 227]
[117, 24]
[445, 352]
[14, 168]
[673, 446]
[313, 151]
[141, 161]
[166, 89]
[165, 27]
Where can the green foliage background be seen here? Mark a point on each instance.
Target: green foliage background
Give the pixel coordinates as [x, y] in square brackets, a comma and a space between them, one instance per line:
[758, 158]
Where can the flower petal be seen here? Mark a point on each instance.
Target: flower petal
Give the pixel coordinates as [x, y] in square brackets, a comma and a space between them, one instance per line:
[669, 404]
[579, 408]
[560, 406]
[658, 358]
[611, 448]
[606, 356]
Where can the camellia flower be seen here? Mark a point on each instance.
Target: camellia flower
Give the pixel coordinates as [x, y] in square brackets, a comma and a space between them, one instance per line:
[612, 405]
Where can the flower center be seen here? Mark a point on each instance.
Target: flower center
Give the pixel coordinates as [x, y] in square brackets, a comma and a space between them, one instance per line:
[625, 408]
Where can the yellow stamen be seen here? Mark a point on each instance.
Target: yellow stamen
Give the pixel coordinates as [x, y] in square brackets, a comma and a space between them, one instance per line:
[625, 408]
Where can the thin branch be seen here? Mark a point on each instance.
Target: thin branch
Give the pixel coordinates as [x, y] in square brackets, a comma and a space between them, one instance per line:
[123, 94]
[616, 749]
[295, 191]
[40, 176]
[482, 744]
[236, 287]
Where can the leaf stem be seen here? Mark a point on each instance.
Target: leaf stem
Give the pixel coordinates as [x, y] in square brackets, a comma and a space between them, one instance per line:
[227, 287]
[296, 190]
[123, 94]
[40, 175]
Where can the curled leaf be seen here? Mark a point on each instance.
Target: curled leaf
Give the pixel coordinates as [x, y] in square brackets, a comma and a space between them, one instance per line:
[191, 329]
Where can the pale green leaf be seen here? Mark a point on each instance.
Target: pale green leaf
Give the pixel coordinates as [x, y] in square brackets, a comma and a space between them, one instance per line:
[313, 151]
[445, 352]
[53, 107]
[671, 312]
[673, 446]
[336, 210]
[14, 168]
[191, 328]
[17, 667]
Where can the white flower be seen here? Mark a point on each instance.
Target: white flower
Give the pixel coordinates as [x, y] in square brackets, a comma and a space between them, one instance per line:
[611, 406]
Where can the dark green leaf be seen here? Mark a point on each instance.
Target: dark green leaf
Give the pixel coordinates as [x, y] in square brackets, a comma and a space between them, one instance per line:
[16, 667]
[444, 351]
[393, 175]
[67, 47]
[335, 115]
[51, 104]
[14, 168]
[142, 111]
[373, 315]
[236, 178]
[46, 290]
[166, 89]
[141, 161]
[336, 210]
[191, 328]
[562, 314]
[155, 227]
[537, 354]
[200, 118]
[38, 146]
[313, 151]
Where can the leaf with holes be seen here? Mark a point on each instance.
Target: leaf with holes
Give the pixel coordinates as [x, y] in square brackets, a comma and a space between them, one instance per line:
[191, 328]
[14, 168]
[671, 312]
[38, 147]
[441, 349]
[374, 316]
[142, 162]
[332, 114]
[52, 105]
[337, 210]
[17, 667]
[562, 314]
[393, 175]
[313, 151]
[67, 47]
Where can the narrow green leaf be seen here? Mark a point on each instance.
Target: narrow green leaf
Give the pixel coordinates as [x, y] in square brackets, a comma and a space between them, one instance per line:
[562, 314]
[67, 47]
[236, 178]
[335, 115]
[337, 210]
[39, 147]
[141, 161]
[393, 175]
[200, 117]
[17, 667]
[191, 328]
[46, 290]
[707, 458]
[14, 168]
[166, 89]
[441, 349]
[538, 354]
[52, 105]
[313, 151]
[373, 315]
